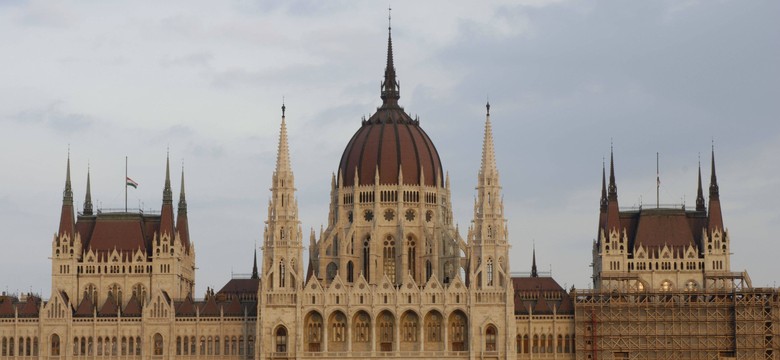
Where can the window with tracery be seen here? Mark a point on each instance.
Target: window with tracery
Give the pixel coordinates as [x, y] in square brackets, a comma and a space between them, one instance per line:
[490, 338]
[281, 273]
[367, 258]
[490, 272]
[362, 330]
[389, 258]
[411, 253]
[338, 328]
[281, 340]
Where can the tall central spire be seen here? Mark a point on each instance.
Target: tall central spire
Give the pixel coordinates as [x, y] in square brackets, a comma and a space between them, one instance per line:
[390, 86]
[283, 166]
[488, 167]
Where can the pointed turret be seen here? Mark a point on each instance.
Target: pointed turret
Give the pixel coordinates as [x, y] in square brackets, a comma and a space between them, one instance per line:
[613, 210]
[603, 207]
[255, 274]
[488, 167]
[283, 166]
[715, 218]
[182, 224]
[88, 197]
[534, 273]
[166, 214]
[391, 89]
[700, 194]
[67, 223]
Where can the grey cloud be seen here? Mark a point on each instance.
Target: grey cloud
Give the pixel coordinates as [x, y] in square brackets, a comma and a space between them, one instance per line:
[52, 116]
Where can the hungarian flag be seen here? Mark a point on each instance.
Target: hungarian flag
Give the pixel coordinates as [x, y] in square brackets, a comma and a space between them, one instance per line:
[132, 183]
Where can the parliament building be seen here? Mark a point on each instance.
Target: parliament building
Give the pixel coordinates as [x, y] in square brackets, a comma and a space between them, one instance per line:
[391, 276]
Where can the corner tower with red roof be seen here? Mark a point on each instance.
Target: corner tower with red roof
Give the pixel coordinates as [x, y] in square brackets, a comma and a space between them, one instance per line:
[118, 257]
[663, 248]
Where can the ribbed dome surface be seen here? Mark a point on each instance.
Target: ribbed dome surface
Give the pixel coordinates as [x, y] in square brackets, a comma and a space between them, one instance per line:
[390, 140]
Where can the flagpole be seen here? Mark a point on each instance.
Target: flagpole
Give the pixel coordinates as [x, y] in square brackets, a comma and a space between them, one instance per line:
[125, 183]
[657, 184]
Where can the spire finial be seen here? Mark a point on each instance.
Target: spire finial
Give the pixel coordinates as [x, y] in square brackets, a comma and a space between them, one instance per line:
[389, 18]
[255, 275]
[713, 177]
[67, 194]
[390, 88]
[182, 197]
[283, 107]
[88, 197]
[487, 106]
[612, 185]
[699, 191]
[534, 272]
[167, 193]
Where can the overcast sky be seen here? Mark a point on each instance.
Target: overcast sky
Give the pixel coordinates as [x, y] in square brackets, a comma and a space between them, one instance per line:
[564, 78]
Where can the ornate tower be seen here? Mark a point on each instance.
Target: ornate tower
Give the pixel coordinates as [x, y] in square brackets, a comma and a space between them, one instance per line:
[487, 235]
[66, 245]
[282, 247]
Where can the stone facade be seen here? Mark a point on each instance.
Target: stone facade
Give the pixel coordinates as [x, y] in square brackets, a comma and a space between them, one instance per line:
[391, 276]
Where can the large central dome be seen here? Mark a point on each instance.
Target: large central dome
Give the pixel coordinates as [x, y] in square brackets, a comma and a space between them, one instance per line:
[390, 141]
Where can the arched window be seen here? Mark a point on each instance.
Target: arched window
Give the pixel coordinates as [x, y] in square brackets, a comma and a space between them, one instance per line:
[367, 258]
[158, 344]
[281, 339]
[490, 338]
[55, 345]
[428, 270]
[388, 254]
[281, 233]
[457, 331]
[490, 272]
[411, 254]
[350, 272]
[281, 273]
[331, 271]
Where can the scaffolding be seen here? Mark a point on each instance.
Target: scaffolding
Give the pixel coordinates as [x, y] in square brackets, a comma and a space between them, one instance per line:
[741, 324]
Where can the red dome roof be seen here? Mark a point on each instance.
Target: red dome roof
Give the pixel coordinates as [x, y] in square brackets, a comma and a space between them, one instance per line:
[390, 140]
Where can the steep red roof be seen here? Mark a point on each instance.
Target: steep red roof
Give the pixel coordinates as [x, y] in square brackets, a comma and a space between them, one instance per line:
[244, 288]
[210, 307]
[30, 308]
[659, 227]
[541, 294]
[233, 308]
[7, 306]
[109, 307]
[86, 307]
[123, 232]
[186, 307]
[133, 307]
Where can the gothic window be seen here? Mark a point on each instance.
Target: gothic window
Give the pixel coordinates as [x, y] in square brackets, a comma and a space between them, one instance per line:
[313, 328]
[428, 216]
[386, 331]
[409, 327]
[490, 338]
[281, 273]
[428, 270]
[411, 253]
[116, 291]
[331, 271]
[388, 254]
[691, 285]
[281, 233]
[433, 326]
[158, 344]
[90, 291]
[139, 290]
[490, 272]
[368, 215]
[350, 216]
[457, 331]
[389, 215]
[55, 345]
[281, 340]
[336, 245]
[666, 285]
[367, 258]
[489, 231]
[350, 272]
[362, 330]
[338, 327]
